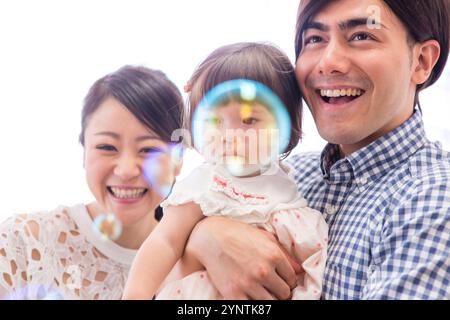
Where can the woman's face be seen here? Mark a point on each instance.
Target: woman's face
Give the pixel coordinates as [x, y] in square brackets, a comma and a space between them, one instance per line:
[116, 145]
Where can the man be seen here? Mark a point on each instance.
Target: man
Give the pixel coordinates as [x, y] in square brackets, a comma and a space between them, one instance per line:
[383, 188]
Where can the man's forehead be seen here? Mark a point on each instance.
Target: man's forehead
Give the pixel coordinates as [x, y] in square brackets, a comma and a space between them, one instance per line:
[346, 14]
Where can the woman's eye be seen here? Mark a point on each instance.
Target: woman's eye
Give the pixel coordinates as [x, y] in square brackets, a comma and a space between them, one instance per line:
[106, 147]
[249, 121]
[151, 150]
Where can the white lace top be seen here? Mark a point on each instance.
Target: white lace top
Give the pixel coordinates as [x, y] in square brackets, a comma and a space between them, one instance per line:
[58, 255]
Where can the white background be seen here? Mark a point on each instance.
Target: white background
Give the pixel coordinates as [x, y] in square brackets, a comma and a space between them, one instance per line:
[52, 51]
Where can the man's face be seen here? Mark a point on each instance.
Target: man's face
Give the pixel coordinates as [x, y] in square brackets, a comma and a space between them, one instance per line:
[356, 75]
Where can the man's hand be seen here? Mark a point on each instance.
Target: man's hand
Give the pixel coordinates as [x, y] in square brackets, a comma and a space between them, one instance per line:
[243, 261]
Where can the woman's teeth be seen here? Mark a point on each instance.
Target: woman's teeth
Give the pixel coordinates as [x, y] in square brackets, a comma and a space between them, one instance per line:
[340, 93]
[127, 193]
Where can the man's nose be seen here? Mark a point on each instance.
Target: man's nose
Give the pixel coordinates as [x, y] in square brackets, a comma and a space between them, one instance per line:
[334, 59]
[128, 167]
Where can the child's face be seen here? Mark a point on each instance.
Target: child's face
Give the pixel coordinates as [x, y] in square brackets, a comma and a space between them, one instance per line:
[240, 133]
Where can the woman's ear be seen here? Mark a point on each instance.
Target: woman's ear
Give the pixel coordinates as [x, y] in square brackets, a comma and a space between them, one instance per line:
[426, 55]
[84, 158]
[177, 154]
[178, 167]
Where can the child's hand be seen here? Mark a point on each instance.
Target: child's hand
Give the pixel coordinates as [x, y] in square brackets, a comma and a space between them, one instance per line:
[242, 261]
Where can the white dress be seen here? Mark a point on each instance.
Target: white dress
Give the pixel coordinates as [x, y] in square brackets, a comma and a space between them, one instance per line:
[271, 202]
[58, 255]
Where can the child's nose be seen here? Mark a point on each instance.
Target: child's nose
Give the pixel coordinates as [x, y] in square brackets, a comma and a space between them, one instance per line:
[230, 140]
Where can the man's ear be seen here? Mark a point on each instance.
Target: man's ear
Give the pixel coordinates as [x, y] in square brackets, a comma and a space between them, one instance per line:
[426, 55]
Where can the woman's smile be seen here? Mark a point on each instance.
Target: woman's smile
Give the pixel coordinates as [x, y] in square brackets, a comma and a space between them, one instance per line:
[125, 194]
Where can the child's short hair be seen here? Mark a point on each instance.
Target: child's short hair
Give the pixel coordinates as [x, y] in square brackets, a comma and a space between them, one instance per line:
[260, 62]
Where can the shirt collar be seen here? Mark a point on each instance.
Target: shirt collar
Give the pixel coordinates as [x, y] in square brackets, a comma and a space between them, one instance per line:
[376, 159]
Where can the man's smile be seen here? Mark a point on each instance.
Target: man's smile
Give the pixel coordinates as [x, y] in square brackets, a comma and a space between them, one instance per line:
[336, 95]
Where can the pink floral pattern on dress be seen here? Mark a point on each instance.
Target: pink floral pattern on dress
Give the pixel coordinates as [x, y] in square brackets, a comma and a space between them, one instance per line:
[221, 184]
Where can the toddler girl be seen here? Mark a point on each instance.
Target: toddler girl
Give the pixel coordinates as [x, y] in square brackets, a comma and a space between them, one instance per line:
[241, 178]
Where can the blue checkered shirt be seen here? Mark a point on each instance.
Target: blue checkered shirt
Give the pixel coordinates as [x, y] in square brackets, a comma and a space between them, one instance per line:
[388, 210]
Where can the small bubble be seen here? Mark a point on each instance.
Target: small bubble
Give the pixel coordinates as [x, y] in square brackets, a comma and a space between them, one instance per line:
[108, 225]
[34, 292]
[159, 169]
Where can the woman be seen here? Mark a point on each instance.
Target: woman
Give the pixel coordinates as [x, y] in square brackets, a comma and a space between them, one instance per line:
[128, 116]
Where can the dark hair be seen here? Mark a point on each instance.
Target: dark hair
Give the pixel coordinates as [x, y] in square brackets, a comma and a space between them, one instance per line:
[148, 94]
[260, 62]
[423, 19]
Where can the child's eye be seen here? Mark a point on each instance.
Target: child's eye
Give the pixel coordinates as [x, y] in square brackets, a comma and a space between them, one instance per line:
[213, 121]
[249, 121]
[151, 150]
[106, 147]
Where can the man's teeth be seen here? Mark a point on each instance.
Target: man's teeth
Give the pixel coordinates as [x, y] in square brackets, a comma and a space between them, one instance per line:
[340, 93]
[128, 193]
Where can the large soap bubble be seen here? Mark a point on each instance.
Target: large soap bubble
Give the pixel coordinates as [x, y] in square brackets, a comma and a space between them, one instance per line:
[241, 124]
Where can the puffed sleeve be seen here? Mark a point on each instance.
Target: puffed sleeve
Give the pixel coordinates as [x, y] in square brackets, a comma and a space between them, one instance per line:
[196, 187]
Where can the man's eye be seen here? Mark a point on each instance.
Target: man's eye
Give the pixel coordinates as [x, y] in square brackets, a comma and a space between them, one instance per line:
[313, 40]
[361, 36]
[249, 121]
[106, 147]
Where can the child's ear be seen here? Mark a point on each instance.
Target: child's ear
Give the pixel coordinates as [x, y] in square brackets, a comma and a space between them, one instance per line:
[426, 55]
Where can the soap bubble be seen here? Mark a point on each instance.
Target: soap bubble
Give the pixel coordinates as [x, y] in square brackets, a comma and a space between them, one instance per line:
[108, 226]
[241, 124]
[160, 167]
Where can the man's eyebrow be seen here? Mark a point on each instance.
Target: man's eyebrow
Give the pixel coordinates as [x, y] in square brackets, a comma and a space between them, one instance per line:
[343, 25]
[356, 22]
[316, 25]
[117, 136]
